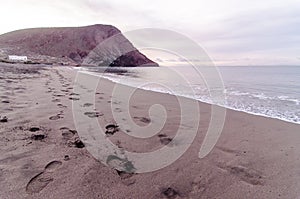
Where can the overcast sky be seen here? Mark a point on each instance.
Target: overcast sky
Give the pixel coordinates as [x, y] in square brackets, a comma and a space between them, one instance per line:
[233, 32]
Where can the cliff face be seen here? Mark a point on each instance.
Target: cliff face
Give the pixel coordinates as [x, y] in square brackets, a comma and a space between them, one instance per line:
[75, 44]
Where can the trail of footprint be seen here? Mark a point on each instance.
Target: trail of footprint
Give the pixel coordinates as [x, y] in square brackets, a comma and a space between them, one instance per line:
[40, 181]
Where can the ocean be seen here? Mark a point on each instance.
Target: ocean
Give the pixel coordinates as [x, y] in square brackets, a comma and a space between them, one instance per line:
[270, 91]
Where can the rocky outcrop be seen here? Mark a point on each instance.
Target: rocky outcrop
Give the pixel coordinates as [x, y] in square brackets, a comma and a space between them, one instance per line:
[79, 45]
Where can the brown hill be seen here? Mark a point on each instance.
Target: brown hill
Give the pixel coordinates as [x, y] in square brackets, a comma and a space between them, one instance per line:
[74, 44]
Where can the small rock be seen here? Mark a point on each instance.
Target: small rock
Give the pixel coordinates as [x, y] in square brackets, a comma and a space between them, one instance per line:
[78, 143]
[111, 129]
[66, 158]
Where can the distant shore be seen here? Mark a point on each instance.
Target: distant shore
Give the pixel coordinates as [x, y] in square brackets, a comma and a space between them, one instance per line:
[43, 156]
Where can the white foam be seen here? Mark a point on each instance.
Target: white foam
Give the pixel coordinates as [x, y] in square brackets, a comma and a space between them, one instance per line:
[260, 111]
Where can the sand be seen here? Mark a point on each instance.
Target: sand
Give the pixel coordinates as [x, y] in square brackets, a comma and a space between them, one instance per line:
[43, 156]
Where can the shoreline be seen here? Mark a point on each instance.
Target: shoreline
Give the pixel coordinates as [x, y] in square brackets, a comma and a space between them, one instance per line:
[226, 107]
[255, 157]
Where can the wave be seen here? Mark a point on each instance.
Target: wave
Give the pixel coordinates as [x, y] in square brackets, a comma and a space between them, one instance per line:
[287, 116]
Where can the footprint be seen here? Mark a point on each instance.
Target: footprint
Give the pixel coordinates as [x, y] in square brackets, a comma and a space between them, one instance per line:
[56, 100]
[143, 119]
[34, 129]
[111, 129]
[61, 106]
[124, 175]
[52, 166]
[116, 102]
[56, 117]
[77, 143]
[87, 105]
[164, 139]
[169, 193]
[67, 133]
[74, 98]
[121, 164]
[37, 137]
[126, 178]
[58, 95]
[247, 175]
[72, 94]
[230, 151]
[93, 114]
[40, 181]
[118, 110]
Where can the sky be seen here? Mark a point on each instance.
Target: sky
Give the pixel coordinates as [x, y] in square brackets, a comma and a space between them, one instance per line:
[232, 32]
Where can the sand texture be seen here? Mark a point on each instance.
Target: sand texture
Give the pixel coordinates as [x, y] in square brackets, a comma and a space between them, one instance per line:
[43, 156]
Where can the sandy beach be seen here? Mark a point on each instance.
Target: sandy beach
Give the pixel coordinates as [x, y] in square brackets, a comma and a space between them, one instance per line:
[42, 155]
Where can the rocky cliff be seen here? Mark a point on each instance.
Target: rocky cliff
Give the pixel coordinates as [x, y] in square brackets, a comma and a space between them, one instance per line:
[94, 45]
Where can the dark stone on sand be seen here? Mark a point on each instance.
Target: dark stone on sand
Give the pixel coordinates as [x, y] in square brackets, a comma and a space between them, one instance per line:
[111, 129]
[4, 119]
[66, 158]
[79, 144]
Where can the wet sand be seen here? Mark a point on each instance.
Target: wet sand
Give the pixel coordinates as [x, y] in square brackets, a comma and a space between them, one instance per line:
[42, 155]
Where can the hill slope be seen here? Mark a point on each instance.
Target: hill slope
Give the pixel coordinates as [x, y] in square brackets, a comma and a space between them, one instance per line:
[74, 45]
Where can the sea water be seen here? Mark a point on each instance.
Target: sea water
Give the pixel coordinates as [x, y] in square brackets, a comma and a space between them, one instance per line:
[271, 91]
